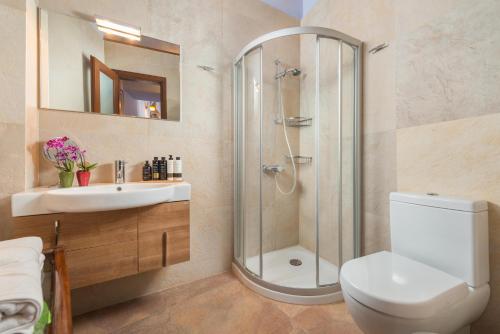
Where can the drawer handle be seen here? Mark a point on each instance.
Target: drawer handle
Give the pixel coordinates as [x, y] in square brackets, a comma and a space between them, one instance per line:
[164, 245]
[56, 232]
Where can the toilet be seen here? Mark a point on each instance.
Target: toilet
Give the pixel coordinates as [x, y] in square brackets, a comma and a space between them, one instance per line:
[434, 280]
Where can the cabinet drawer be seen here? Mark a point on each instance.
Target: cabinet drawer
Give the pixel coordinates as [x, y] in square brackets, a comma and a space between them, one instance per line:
[164, 216]
[99, 264]
[87, 230]
[41, 226]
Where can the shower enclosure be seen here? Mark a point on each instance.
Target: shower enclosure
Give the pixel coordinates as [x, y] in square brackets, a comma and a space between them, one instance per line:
[297, 100]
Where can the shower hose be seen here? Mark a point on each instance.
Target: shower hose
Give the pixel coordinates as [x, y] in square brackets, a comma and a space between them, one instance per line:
[294, 168]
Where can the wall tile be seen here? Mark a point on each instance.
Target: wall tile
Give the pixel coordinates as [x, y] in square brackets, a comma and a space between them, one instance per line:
[449, 68]
[12, 58]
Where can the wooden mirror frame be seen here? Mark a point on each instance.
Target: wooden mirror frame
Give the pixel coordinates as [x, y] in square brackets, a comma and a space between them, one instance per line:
[98, 67]
[132, 76]
[146, 43]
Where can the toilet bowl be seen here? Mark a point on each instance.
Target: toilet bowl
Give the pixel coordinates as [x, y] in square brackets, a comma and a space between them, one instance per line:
[435, 279]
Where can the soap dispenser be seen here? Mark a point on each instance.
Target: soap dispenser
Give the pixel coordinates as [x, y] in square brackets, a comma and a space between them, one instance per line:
[170, 168]
[156, 169]
[178, 169]
[163, 168]
[146, 171]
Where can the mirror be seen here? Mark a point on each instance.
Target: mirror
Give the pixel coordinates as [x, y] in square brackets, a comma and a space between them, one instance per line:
[85, 70]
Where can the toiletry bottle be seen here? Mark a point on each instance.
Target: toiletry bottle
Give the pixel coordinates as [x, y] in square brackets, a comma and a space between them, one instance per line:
[146, 172]
[156, 169]
[163, 169]
[170, 168]
[178, 169]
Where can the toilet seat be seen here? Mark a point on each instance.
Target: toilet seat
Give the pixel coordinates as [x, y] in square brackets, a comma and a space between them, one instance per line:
[399, 286]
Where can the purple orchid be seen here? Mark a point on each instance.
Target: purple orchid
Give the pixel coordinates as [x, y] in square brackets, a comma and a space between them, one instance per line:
[62, 152]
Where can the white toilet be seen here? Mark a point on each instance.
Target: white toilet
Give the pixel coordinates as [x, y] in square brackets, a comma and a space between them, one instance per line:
[435, 280]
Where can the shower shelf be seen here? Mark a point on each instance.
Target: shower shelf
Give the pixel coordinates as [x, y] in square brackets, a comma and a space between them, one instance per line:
[300, 159]
[296, 121]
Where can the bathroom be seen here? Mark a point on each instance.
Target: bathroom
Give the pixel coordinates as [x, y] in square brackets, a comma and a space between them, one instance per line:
[426, 123]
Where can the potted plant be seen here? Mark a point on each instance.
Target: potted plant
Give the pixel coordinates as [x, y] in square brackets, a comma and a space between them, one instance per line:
[63, 153]
[84, 168]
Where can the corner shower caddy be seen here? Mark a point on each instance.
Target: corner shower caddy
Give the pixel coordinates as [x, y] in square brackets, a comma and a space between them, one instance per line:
[297, 121]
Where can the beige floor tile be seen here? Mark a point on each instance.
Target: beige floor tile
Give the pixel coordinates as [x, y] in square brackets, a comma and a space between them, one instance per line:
[219, 304]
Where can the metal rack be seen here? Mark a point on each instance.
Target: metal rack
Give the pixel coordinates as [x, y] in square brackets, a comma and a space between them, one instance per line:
[300, 159]
[296, 121]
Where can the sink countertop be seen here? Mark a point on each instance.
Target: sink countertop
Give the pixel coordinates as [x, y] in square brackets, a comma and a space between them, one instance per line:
[45, 200]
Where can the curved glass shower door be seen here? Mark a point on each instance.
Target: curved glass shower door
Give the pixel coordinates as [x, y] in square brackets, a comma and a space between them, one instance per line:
[297, 105]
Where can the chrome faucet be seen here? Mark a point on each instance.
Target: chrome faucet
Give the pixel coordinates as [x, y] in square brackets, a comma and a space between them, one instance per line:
[119, 171]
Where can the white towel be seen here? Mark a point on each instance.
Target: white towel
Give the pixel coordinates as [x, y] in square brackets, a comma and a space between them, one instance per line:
[29, 242]
[21, 296]
[20, 254]
[21, 305]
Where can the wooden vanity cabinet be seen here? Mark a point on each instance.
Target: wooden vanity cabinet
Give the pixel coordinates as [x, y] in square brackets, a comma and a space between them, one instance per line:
[103, 246]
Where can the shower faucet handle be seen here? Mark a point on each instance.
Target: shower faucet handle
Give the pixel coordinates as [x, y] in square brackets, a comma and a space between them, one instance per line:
[273, 169]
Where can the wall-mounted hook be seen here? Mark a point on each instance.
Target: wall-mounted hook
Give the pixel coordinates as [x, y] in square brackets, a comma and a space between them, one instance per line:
[207, 68]
[378, 48]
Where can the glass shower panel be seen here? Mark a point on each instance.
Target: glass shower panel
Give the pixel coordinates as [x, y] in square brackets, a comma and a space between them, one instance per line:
[239, 153]
[252, 90]
[348, 147]
[329, 154]
[280, 140]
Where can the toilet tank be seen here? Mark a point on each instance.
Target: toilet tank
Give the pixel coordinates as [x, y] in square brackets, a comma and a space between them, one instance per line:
[446, 233]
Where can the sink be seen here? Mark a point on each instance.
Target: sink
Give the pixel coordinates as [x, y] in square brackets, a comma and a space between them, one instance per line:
[99, 197]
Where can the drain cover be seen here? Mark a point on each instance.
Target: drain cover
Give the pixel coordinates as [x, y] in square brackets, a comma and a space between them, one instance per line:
[295, 262]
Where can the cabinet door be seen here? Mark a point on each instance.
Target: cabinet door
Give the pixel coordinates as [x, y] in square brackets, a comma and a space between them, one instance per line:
[163, 235]
[42, 226]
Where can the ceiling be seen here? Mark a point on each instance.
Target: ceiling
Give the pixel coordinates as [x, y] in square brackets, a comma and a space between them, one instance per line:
[294, 8]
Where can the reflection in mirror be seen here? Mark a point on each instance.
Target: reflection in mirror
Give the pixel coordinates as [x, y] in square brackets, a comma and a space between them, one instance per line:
[82, 69]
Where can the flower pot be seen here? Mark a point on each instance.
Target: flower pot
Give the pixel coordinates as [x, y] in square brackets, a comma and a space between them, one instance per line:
[66, 179]
[83, 178]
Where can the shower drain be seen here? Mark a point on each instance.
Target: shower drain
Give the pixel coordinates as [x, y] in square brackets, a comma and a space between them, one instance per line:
[295, 262]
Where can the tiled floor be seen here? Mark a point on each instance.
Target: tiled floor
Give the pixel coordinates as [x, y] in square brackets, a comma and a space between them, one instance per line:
[216, 305]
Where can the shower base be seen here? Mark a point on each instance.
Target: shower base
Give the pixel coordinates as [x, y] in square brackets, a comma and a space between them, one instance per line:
[278, 270]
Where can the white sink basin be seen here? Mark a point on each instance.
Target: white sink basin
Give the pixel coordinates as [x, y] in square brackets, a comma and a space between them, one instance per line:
[101, 197]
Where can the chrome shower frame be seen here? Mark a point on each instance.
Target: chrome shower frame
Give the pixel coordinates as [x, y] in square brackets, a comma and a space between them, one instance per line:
[322, 293]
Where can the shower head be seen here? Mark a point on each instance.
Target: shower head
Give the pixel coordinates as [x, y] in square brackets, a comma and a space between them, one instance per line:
[295, 71]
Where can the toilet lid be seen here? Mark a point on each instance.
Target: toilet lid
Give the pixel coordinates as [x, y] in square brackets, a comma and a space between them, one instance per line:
[399, 286]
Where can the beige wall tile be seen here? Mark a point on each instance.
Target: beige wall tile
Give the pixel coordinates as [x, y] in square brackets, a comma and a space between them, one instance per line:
[12, 105]
[12, 58]
[11, 169]
[449, 68]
